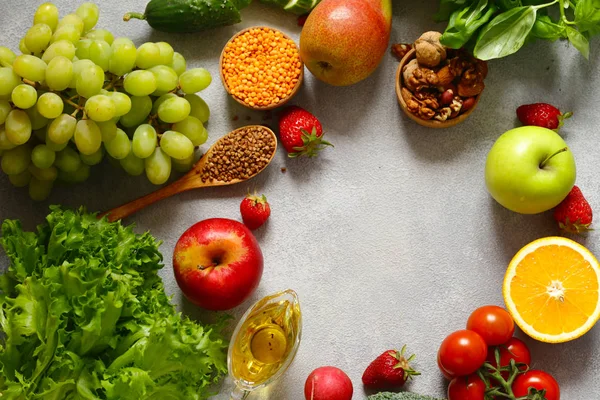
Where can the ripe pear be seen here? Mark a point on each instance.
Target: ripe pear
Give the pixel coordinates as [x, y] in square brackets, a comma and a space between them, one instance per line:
[343, 41]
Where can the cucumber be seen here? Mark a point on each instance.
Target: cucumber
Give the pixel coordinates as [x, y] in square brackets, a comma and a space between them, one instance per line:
[190, 15]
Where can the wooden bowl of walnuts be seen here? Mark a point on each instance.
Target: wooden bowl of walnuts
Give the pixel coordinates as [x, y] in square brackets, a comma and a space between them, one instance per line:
[439, 87]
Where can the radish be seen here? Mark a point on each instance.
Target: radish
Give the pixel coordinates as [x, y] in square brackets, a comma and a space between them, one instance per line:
[328, 383]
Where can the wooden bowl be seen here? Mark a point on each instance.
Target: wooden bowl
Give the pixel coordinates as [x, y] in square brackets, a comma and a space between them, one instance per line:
[271, 106]
[428, 123]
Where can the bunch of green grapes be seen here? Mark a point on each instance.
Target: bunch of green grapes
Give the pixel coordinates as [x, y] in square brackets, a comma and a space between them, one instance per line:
[77, 95]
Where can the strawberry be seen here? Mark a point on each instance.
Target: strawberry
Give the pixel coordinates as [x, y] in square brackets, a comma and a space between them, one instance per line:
[391, 369]
[574, 214]
[301, 132]
[255, 211]
[542, 114]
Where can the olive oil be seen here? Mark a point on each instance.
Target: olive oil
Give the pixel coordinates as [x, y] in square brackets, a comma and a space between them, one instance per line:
[265, 341]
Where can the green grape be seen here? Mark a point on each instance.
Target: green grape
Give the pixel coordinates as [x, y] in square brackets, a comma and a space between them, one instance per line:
[18, 127]
[7, 57]
[79, 66]
[22, 48]
[193, 129]
[80, 175]
[174, 110]
[30, 67]
[121, 101]
[158, 167]
[88, 137]
[100, 34]
[15, 161]
[59, 73]
[89, 13]
[40, 190]
[100, 108]
[199, 108]
[49, 105]
[148, 55]
[62, 129]
[161, 100]
[46, 13]
[140, 83]
[140, 109]
[179, 65]
[69, 33]
[20, 180]
[100, 52]
[90, 81]
[42, 156]
[61, 48]
[166, 79]
[144, 141]
[83, 49]
[176, 145]
[195, 80]
[67, 160]
[123, 56]
[24, 96]
[184, 165]
[108, 130]
[166, 53]
[132, 165]
[54, 146]
[44, 174]
[119, 147]
[4, 110]
[37, 38]
[38, 121]
[93, 159]
[5, 144]
[73, 20]
[8, 81]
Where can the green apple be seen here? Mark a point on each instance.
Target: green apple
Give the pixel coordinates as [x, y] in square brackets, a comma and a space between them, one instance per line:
[530, 170]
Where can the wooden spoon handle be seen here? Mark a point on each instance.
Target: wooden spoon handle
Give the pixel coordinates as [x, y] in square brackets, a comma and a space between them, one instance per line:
[126, 210]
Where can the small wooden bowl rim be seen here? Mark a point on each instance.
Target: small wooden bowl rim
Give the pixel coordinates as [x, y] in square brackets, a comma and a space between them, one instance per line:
[271, 106]
[427, 123]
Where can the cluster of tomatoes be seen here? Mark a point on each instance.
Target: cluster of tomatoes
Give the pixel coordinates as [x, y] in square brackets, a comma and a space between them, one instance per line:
[486, 362]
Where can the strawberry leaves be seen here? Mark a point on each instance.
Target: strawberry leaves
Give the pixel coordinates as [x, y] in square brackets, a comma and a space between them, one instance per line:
[312, 144]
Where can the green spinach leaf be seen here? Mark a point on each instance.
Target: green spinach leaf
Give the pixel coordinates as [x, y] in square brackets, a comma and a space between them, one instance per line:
[464, 23]
[506, 33]
[545, 28]
[587, 16]
[579, 41]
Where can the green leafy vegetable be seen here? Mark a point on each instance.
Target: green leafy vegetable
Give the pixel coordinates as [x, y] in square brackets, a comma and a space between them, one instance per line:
[498, 28]
[85, 316]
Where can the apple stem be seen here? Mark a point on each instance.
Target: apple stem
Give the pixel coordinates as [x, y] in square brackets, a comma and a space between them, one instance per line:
[543, 164]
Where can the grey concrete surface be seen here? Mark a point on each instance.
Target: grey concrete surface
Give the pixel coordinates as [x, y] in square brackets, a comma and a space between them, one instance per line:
[388, 238]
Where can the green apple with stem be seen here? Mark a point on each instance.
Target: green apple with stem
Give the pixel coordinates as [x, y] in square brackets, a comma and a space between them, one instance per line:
[530, 170]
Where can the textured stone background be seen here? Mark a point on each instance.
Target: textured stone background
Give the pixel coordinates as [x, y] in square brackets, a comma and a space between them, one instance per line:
[389, 238]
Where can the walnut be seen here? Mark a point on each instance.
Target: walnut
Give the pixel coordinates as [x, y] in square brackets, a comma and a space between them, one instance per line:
[428, 99]
[424, 108]
[423, 78]
[443, 114]
[407, 73]
[426, 113]
[430, 51]
[399, 50]
[455, 106]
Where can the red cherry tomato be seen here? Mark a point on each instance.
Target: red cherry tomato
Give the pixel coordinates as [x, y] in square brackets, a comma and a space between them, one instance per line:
[462, 353]
[466, 388]
[539, 380]
[513, 349]
[446, 374]
[494, 324]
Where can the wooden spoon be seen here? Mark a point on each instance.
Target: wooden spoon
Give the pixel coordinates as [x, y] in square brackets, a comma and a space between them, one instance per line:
[191, 180]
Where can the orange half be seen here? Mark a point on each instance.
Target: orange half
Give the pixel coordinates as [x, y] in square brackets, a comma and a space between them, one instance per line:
[552, 289]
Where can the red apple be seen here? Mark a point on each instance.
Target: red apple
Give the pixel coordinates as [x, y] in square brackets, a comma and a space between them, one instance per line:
[217, 263]
[343, 41]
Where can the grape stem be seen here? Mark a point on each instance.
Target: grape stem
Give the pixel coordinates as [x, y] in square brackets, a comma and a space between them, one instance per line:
[30, 83]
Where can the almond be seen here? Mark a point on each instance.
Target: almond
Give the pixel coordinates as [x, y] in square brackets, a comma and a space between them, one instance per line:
[445, 76]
